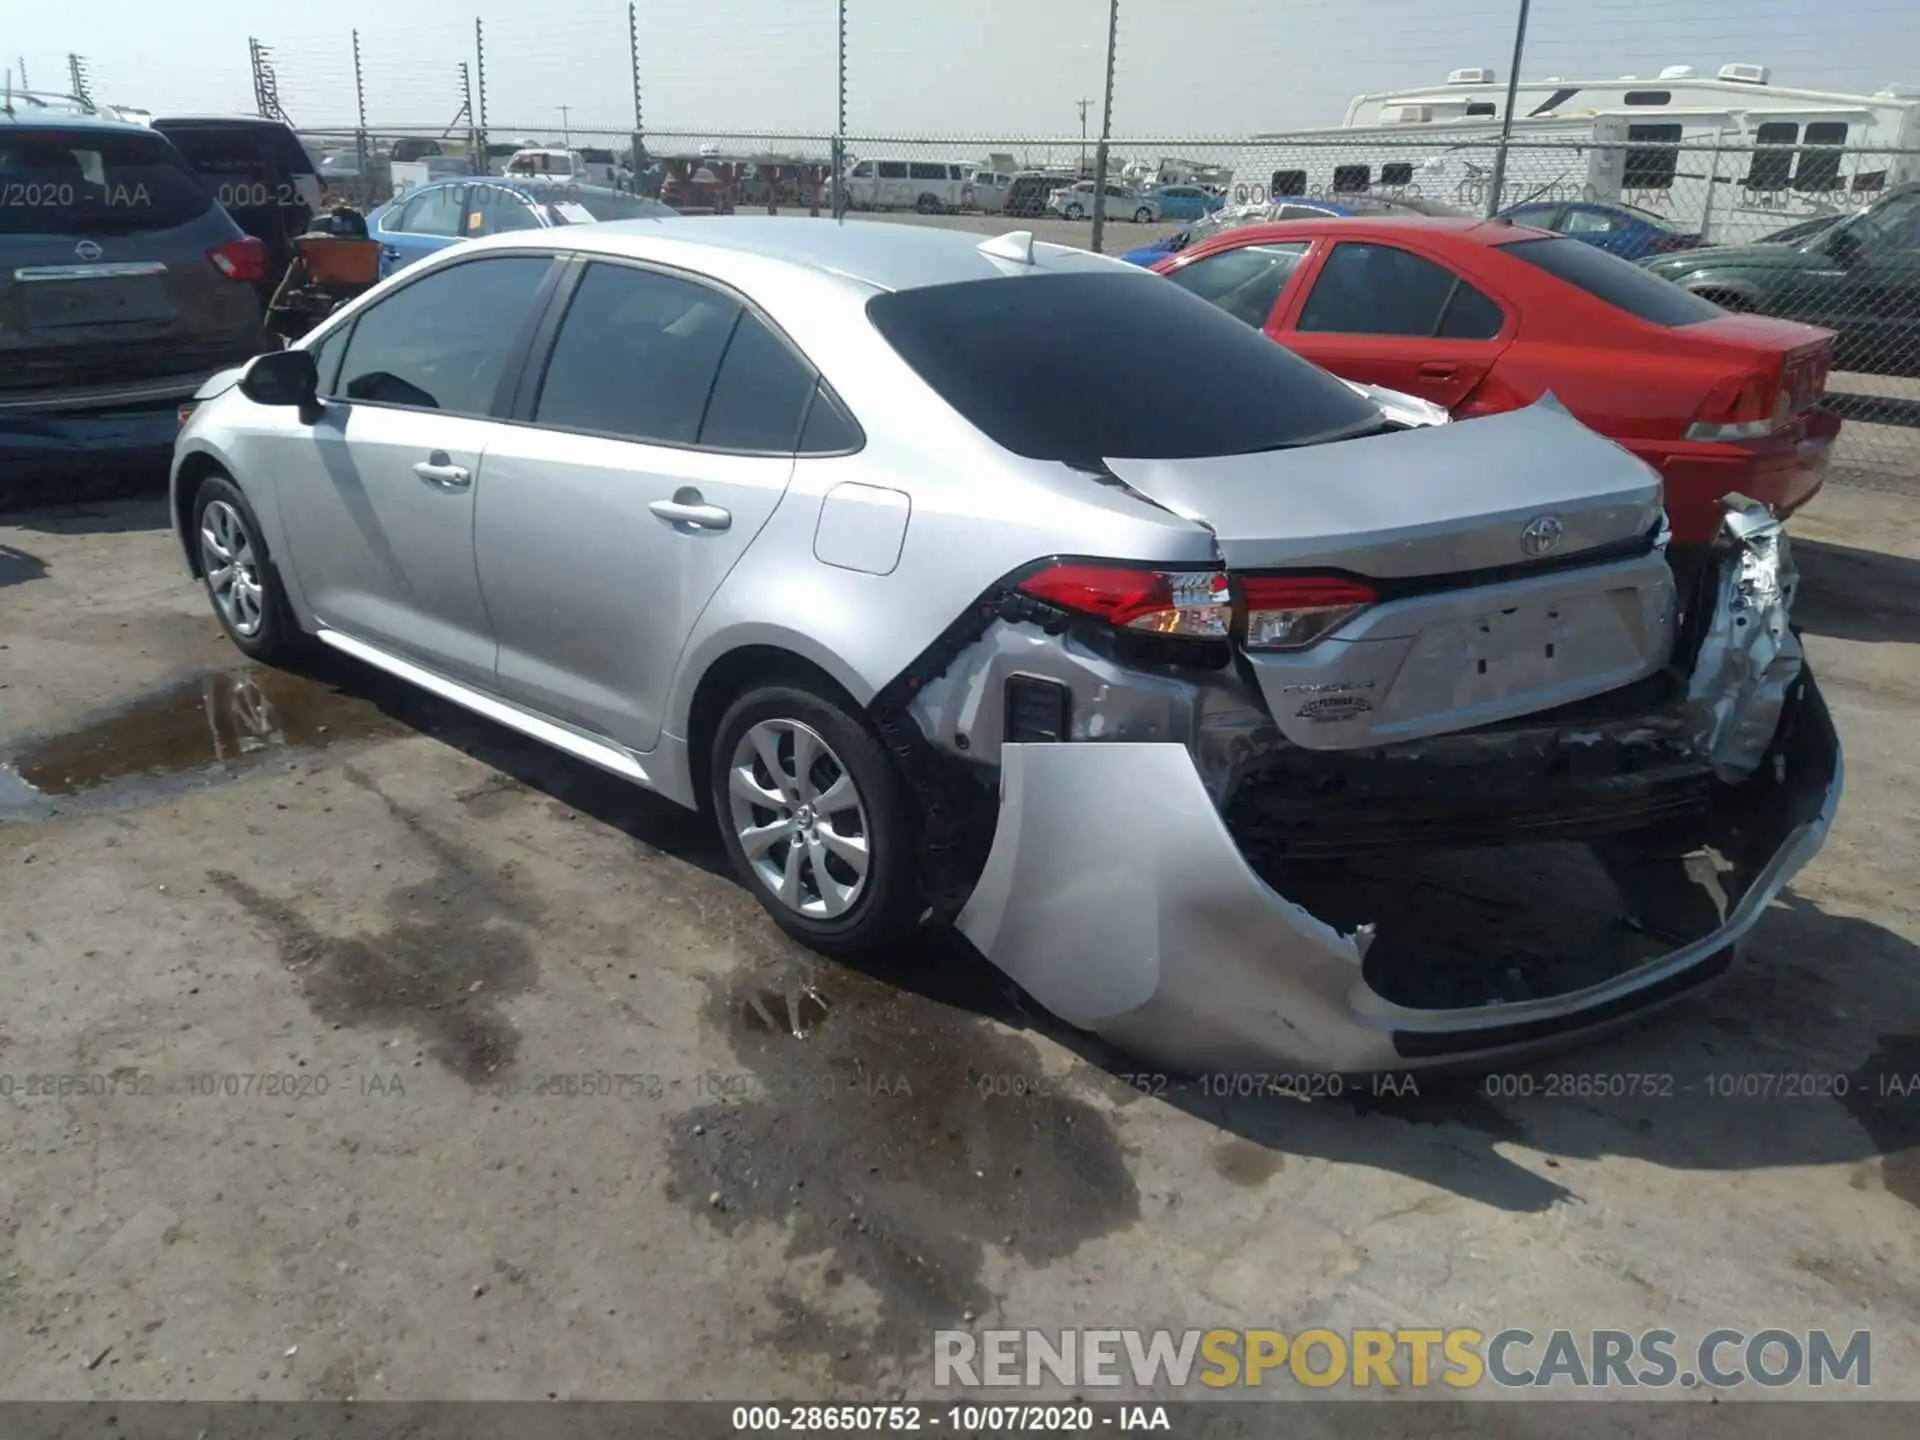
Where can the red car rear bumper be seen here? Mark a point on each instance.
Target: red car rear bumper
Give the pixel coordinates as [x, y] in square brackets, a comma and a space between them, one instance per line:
[1784, 473]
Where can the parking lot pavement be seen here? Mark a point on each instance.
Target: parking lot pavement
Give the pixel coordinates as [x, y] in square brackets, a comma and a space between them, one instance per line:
[350, 1046]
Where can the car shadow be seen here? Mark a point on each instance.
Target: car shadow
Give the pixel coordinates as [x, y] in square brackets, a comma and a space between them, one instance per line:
[1852, 594]
[103, 517]
[18, 566]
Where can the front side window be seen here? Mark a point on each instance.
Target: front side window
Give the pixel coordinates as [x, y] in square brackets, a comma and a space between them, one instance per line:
[443, 341]
[497, 211]
[1619, 283]
[1246, 283]
[1366, 289]
[893, 169]
[636, 356]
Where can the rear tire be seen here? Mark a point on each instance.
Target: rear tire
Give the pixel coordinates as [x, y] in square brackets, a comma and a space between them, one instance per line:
[816, 819]
[242, 582]
[1074, 212]
[1142, 216]
[927, 205]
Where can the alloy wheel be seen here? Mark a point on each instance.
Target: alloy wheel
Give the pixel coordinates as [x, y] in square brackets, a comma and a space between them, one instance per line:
[230, 560]
[799, 818]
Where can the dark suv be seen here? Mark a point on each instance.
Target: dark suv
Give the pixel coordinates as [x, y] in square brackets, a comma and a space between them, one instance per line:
[1859, 276]
[123, 286]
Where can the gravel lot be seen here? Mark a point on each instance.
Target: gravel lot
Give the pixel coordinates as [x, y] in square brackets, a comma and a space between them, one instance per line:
[306, 950]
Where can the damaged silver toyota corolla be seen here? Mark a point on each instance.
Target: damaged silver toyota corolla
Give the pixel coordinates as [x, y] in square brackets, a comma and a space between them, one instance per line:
[1248, 719]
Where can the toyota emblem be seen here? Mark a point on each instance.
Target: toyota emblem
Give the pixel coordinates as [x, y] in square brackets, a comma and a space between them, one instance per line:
[87, 250]
[1541, 535]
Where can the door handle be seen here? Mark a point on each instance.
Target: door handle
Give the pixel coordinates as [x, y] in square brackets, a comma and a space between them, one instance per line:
[686, 508]
[1437, 370]
[436, 469]
[388, 252]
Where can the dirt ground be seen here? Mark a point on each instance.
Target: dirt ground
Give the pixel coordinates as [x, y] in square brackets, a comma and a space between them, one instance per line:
[303, 957]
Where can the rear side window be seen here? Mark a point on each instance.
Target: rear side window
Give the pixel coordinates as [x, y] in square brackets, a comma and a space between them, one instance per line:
[274, 146]
[1081, 367]
[893, 169]
[1620, 283]
[829, 429]
[761, 393]
[1384, 290]
[439, 211]
[95, 182]
[637, 356]
[442, 342]
[1246, 283]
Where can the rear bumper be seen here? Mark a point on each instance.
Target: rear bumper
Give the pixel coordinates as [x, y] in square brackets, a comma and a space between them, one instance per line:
[1120, 896]
[1783, 474]
[39, 454]
[1115, 895]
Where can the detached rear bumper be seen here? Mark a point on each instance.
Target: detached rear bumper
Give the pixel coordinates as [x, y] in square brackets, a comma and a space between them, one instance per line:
[1115, 895]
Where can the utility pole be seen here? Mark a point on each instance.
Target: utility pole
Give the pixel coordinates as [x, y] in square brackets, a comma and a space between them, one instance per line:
[1106, 132]
[1083, 104]
[1499, 180]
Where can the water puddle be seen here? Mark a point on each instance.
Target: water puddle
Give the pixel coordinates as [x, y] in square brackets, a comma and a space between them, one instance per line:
[202, 730]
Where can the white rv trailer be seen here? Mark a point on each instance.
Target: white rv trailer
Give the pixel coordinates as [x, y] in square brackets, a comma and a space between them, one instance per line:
[1729, 157]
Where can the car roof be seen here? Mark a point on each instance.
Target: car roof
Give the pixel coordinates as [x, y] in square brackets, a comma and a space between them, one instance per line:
[880, 254]
[258, 122]
[66, 120]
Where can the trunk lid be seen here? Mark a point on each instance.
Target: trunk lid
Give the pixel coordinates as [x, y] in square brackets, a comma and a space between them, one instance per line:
[1804, 353]
[1509, 555]
[1426, 502]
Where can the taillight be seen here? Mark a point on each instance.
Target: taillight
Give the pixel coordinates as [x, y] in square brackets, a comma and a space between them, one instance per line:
[1193, 604]
[1746, 407]
[1291, 612]
[244, 259]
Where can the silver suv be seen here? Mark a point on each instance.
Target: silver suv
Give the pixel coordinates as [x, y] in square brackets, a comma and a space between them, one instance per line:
[1004, 583]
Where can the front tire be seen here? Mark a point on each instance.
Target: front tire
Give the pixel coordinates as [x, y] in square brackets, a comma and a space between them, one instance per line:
[1074, 212]
[1142, 215]
[816, 819]
[243, 586]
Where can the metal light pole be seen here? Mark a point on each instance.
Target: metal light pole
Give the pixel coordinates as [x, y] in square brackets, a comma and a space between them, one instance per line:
[1083, 104]
[1106, 131]
[1499, 180]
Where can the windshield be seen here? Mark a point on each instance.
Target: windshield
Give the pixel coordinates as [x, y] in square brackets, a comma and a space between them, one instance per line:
[95, 182]
[605, 205]
[1085, 367]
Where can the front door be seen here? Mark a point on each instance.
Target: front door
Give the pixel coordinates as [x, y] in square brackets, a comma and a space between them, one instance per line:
[430, 220]
[378, 493]
[660, 441]
[1386, 316]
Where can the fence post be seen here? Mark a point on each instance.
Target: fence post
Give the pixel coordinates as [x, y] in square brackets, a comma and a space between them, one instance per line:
[839, 147]
[476, 156]
[1499, 180]
[363, 158]
[1106, 131]
[637, 142]
[479, 116]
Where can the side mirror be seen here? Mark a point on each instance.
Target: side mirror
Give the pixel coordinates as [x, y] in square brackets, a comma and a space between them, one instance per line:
[1843, 245]
[282, 377]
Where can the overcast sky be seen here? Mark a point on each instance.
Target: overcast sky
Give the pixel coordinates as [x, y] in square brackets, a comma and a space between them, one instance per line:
[921, 67]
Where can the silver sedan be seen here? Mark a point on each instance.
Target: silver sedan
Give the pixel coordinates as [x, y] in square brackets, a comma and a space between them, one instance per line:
[997, 583]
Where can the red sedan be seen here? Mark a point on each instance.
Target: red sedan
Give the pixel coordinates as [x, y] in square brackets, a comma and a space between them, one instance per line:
[1483, 316]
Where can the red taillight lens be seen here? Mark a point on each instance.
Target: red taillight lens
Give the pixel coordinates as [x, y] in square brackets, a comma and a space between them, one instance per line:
[1190, 603]
[1291, 612]
[244, 259]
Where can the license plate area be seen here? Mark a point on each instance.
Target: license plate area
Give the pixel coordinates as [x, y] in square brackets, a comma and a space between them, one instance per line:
[1536, 649]
[59, 304]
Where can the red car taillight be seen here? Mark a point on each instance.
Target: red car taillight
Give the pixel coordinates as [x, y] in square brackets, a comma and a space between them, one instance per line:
[244, 259]
[1292, 612]
[1191, 604]
[1745, 407]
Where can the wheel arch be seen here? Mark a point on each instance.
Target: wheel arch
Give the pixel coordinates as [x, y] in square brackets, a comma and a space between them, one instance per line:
[194, 468]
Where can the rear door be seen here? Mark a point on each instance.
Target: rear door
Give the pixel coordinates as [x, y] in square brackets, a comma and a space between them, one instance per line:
[107, 286]
[377, 492]
[658, 435]
[1385, 315]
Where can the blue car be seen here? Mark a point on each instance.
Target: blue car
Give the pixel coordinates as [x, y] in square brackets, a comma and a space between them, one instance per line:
[1283, 207]
[431, 217]
[1183, 202]
[1623, 230]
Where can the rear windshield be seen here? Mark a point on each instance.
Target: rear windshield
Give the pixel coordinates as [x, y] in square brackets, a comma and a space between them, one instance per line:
[273, 147]
[1620, 283]
[94, 182]
[1082, 367]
